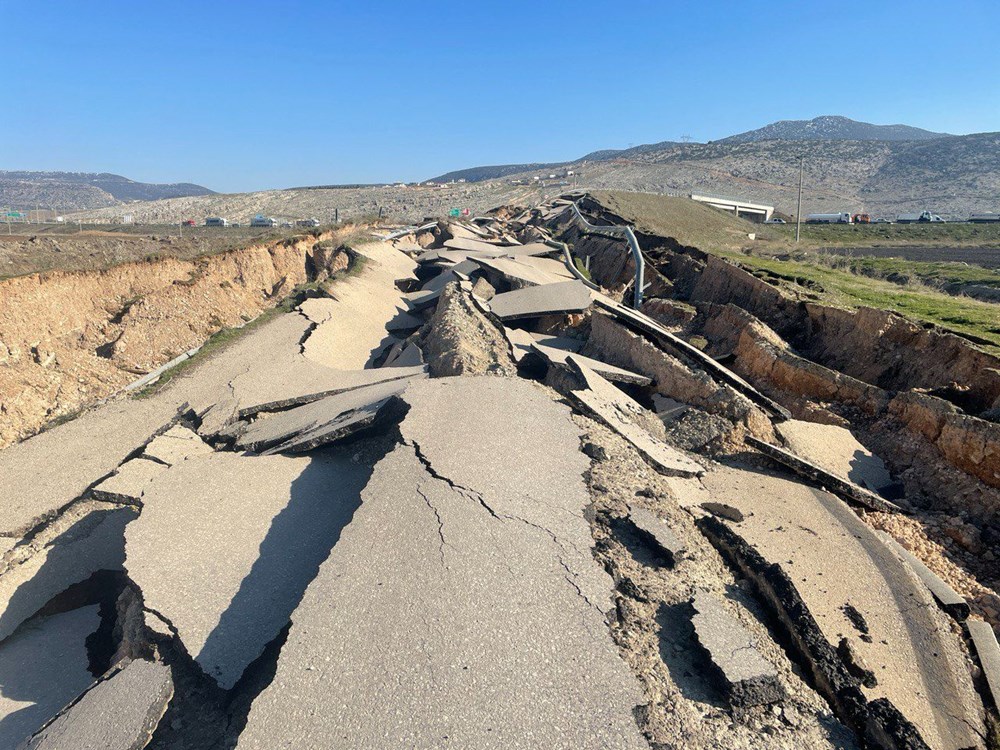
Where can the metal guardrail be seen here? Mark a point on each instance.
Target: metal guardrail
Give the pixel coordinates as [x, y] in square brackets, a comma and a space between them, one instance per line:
[633, 243]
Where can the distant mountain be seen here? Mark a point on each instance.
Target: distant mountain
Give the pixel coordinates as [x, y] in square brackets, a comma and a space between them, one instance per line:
[68, 191]
[831, 128]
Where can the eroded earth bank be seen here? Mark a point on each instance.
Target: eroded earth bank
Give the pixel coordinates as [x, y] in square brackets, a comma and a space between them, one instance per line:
[464, 494]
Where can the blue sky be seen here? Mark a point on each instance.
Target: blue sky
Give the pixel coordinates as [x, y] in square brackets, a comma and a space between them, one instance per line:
[252, 95]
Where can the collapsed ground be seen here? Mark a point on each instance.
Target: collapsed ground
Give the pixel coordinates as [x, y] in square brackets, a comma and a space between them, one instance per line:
[464, 493]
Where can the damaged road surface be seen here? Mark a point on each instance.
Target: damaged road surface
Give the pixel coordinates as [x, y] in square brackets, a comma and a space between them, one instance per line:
[461, 605]
[460, 495]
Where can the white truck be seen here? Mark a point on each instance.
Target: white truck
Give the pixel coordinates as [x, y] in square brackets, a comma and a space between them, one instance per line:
[216, 221]
[841, 218]
[924, 217]
[263, 221]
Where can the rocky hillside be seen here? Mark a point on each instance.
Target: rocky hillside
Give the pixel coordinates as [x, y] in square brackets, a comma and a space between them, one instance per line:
[73, 191]
[832, 127]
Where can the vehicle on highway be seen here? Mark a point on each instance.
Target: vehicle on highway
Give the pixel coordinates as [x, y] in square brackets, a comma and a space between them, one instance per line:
[286, 225]
[924, 217]
[882, 220]
[862, 219]
[189, 222]
[984, 218]
[775, 221]
[308, 222]
[263, 221]
[216, 221]
[841, 218]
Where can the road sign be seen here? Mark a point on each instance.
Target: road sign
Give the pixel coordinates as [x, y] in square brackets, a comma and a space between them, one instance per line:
[455, 212]
[14, 214]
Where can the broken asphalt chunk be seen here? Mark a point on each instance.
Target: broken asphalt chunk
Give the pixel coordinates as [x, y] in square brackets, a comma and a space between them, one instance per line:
[120, 712]
[613, 407]
[654, 528]
[536, 301]
[319, 422]
[749, 679]
[984, 640]
[950, 600]
[559, 358]
[176, 447]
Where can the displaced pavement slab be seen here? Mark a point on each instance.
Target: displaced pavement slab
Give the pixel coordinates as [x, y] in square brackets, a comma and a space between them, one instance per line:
[404, 322]
[474, 246]
[984, 639]
[226, 544]
[617, 410]
[350, 323]
[172, 450]
[536, 301]
[656, 529]
[950, 600]
[42, 668]
[750, 680]
[835, 449]
[846, 489]
[836, 561]
[86, 538]
[129, 480]
[560, 358]
[443, 618]
[306, 424]
[411, 356]
[118, 713]
[521, 273]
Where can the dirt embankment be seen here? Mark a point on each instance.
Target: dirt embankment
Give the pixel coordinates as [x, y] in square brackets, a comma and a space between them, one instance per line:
[68, 339]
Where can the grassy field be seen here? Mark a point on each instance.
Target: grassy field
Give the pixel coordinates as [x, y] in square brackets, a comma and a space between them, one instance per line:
[897, 284]
[887, 235]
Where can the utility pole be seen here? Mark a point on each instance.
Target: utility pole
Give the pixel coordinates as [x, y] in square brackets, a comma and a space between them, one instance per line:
[798, 209]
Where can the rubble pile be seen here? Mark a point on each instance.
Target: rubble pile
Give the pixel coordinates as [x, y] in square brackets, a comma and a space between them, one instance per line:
[469, 496]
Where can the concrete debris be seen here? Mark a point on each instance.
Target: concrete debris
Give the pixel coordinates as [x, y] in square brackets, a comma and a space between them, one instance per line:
[643, 323]
[835, 449]
[560, 358]
[227, 565]
[657, 530]
[949, 599]
[984, 640]
[536, 301]
[87, 538]
[417, 301]
[129, 480]
[118, 713]
[749, 679]
[474, 535]
[319, 422]
[667, 409]
[410, 355]
[521, 273]
[474, 246]
[42, 668]
[845, 489]
[619, 412]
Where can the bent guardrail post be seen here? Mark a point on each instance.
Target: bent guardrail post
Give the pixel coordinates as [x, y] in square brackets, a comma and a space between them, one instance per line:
[633, 243]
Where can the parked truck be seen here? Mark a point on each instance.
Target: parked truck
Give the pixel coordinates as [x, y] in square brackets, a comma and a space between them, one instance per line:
[263, 221]
[216, 221]
[842, 218]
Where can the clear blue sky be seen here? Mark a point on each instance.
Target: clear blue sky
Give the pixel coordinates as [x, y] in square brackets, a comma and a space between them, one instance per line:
[251, 95]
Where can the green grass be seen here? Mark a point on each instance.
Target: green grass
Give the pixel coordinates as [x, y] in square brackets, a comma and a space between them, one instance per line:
[980, 320]
[897, 269]
[887, 235]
